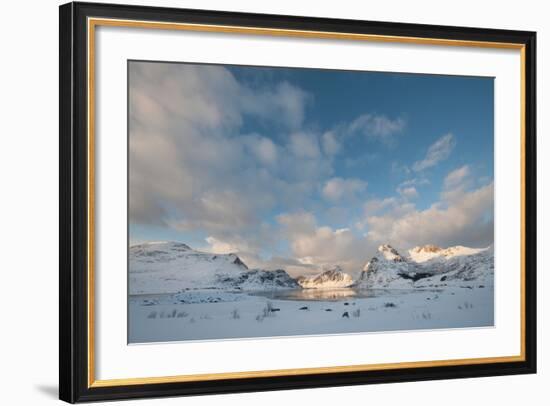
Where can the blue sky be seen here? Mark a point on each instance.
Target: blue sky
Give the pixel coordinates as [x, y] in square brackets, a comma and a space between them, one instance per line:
[306, 168]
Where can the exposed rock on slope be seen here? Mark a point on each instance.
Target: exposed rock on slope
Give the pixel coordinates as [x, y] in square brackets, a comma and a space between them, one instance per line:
[389, 253]
[428, 266]
[259, 279]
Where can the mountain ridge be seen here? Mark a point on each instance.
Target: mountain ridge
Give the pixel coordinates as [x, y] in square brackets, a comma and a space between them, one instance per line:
[171, 267]
[452, 266]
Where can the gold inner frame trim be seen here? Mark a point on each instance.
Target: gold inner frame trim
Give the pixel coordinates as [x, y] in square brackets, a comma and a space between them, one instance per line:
[94, 22]
[300, 371]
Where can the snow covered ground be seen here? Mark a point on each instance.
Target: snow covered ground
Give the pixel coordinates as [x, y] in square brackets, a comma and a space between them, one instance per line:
[177, 294]
[204, 315]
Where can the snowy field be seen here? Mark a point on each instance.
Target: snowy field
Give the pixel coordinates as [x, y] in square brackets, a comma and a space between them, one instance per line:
[215, 314]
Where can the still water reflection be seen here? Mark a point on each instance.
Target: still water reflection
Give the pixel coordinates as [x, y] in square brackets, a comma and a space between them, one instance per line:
[328, 294]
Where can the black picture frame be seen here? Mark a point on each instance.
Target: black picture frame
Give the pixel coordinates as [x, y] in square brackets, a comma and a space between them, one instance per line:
[74, 200]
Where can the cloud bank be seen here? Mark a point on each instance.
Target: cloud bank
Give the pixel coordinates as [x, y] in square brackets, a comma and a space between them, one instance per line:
[269, 192]
[191, 164]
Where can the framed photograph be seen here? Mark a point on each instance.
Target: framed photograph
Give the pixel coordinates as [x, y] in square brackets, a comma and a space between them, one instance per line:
[258, 202]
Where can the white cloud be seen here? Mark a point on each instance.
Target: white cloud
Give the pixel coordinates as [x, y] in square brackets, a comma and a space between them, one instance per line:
[305, 145]
[457, 176]
[247, 250]
[220, 247]
[400, 169]
[408, 192]
[336, 189]
[378, 127]
[217, 210]
[190, 166]
[456, 183]
[322, 245]
[464, 218]
[284, 101]
[414, 182]
[437, 152]
[263, 149]
[298, 223]
[375, 127]
[374, 206]
[331, 145]
[291, 101]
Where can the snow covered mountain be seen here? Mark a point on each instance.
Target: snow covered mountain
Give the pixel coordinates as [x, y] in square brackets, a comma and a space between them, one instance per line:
[260, 279]
[427, 252]
[428, 266]
[390, 254]
[169, 267]
[331, 278]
